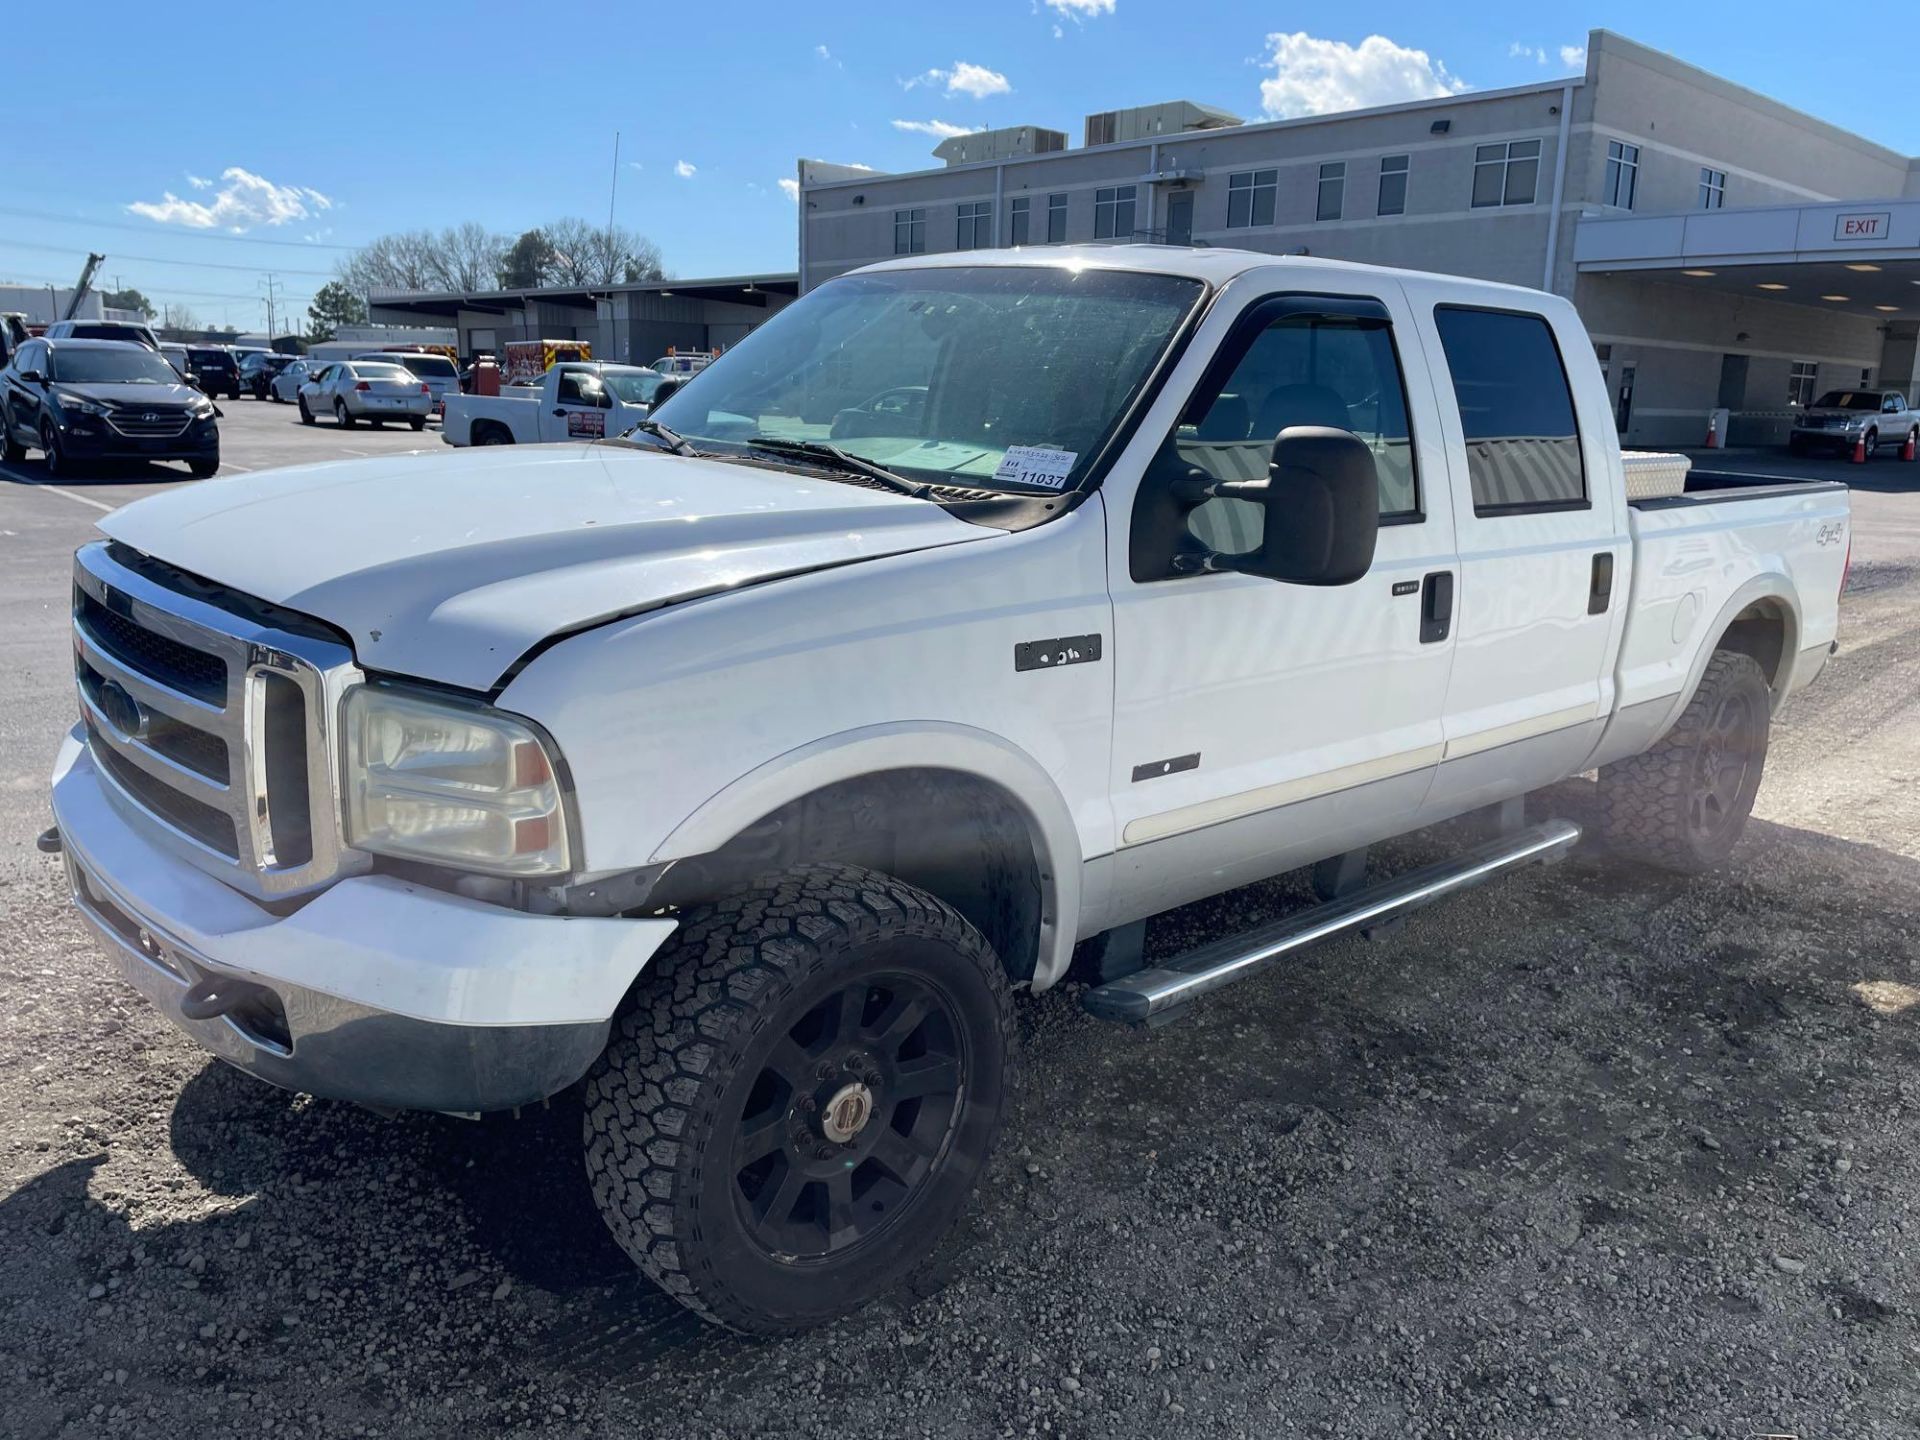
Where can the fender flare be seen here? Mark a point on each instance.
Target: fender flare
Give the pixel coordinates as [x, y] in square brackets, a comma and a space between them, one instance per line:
[1771, 585]
[913, 745]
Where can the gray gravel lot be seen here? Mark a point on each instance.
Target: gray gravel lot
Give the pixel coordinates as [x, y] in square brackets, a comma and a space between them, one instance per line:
[1593, 1151]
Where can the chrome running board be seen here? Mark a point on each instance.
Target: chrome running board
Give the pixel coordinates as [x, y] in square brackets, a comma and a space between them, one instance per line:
[1152, 995]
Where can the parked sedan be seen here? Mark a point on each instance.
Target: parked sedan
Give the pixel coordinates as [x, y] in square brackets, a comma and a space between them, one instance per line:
[439, 374]
[80, 401]
[372, 390]
[257, 369]
[284, 388]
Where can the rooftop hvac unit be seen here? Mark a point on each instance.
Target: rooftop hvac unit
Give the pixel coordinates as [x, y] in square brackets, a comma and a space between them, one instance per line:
[1007, 143]
[1147, 122]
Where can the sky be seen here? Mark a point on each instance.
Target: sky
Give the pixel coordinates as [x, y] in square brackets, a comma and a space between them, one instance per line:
[204, 156]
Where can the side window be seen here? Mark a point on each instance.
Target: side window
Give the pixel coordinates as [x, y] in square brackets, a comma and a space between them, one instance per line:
[1516, 410]
[578, 387]
[1306, 366]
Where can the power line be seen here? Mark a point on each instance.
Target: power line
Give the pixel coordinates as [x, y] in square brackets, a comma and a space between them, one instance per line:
[161, 260]
[149, 230]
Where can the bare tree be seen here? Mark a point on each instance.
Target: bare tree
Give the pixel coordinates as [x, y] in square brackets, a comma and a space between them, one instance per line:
[461, 257]
[585, 254]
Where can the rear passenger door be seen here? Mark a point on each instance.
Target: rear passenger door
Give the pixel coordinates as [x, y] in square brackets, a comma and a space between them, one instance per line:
[1539, 528]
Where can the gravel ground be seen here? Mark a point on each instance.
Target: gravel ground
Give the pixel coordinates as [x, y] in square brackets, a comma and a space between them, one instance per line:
[1593, 1151]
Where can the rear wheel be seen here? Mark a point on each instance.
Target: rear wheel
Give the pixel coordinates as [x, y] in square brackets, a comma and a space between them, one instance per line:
[341, 413]
[491, 434]
[1683, 805]
[798, 1100]
[419, 424]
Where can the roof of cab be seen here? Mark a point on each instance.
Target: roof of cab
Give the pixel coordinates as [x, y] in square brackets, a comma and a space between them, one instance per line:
[1215, 266]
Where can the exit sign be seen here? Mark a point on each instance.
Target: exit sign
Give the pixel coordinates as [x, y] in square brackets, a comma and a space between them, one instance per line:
[1862, 227]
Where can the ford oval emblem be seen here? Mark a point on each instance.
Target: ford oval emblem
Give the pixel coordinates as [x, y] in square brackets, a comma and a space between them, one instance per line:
[123, 712]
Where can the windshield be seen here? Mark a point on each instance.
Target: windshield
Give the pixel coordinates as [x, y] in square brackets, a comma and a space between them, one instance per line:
[991, 377]
[436, 366]
[635, 387]
[118, 367]
[1849, 400]
[380, 372]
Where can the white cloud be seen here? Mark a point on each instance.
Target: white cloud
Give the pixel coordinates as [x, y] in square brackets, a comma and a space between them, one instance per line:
[241, 201]
[684, 169]
[964, 78]
[1536, 53]
[199, 182]
[823, 52]
[1312, 76]
[790, 187]
[940, 129]
[1081, 9]
[1574, 57]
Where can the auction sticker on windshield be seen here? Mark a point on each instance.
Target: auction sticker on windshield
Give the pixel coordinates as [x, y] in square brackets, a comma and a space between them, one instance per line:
[1036, 465]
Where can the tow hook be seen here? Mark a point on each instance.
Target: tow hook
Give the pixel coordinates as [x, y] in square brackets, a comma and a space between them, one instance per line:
[217, 995]
[48, 841]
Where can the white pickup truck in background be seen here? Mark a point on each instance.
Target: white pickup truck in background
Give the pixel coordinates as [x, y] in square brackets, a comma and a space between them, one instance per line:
[574, 400]
[746, 767]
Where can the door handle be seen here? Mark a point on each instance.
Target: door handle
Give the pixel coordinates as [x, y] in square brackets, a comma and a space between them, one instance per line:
[1436, 607]
[1600, 588]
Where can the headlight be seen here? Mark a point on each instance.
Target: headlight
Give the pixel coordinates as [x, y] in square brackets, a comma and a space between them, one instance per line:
[78, 404]
[451, 783]
[202, 409]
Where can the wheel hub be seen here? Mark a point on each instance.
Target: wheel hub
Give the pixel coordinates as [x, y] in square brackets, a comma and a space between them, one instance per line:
[846, 1112]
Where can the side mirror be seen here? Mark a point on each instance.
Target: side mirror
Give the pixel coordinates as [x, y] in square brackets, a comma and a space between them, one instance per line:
[664, 393]
[1322, 501]
[34, 376]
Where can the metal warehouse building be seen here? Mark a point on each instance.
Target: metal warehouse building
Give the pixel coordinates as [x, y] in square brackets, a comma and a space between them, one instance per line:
[631, 323]
[1724, 249]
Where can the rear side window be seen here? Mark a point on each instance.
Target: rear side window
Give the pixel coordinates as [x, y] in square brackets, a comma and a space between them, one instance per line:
[1516, 409]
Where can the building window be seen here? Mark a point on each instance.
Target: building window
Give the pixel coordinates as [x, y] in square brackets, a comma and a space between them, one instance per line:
[1623, 174]
[1713, 188]
[975, 229]
[1250, 196]
[1506, 174]
[1801, 382]
[1113, 212]
[1393, 185]
[1056, 219]
[1516, 410]
[1333, 190]
[909, 232]
[1018, 209]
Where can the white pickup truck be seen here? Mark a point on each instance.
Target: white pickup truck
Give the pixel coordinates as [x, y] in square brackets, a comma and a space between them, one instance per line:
[574, 400]
[745, 768]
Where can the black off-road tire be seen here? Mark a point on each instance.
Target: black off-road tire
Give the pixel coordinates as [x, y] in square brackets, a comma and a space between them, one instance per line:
[1664, 807]
[689, 1077]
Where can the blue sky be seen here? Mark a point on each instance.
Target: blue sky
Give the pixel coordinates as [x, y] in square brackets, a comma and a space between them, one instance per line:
[200, 154]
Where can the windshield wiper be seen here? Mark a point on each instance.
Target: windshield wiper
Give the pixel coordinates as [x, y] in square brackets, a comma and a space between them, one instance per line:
[669, 438]
[828, 451]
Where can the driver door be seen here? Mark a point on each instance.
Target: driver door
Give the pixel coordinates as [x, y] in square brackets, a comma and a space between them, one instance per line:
[1261, 725]
[579, 411]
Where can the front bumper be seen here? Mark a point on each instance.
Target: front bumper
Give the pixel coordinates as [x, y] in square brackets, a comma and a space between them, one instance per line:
[377, 991]
[102, 442]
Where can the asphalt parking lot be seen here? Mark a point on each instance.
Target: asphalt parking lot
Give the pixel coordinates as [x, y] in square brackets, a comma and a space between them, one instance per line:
[1595, 1151]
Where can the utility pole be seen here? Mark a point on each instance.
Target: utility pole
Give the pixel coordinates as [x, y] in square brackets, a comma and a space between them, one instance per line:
[613, 191]
[271, 280]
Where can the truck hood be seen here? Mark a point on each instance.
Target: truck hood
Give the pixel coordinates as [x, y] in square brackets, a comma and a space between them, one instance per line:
[451, 567]
[1834, 412]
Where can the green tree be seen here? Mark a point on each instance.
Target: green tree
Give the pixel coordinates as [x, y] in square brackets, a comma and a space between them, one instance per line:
[129, 299]
[526, 262]
[334, 305]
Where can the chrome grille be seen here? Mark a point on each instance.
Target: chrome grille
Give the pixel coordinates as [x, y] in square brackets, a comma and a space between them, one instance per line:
[211, 728]
[150, 424]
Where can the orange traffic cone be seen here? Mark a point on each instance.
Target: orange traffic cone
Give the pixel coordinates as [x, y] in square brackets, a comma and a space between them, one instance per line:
[1713, 431]
[1859, 456]
[1907, 450]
